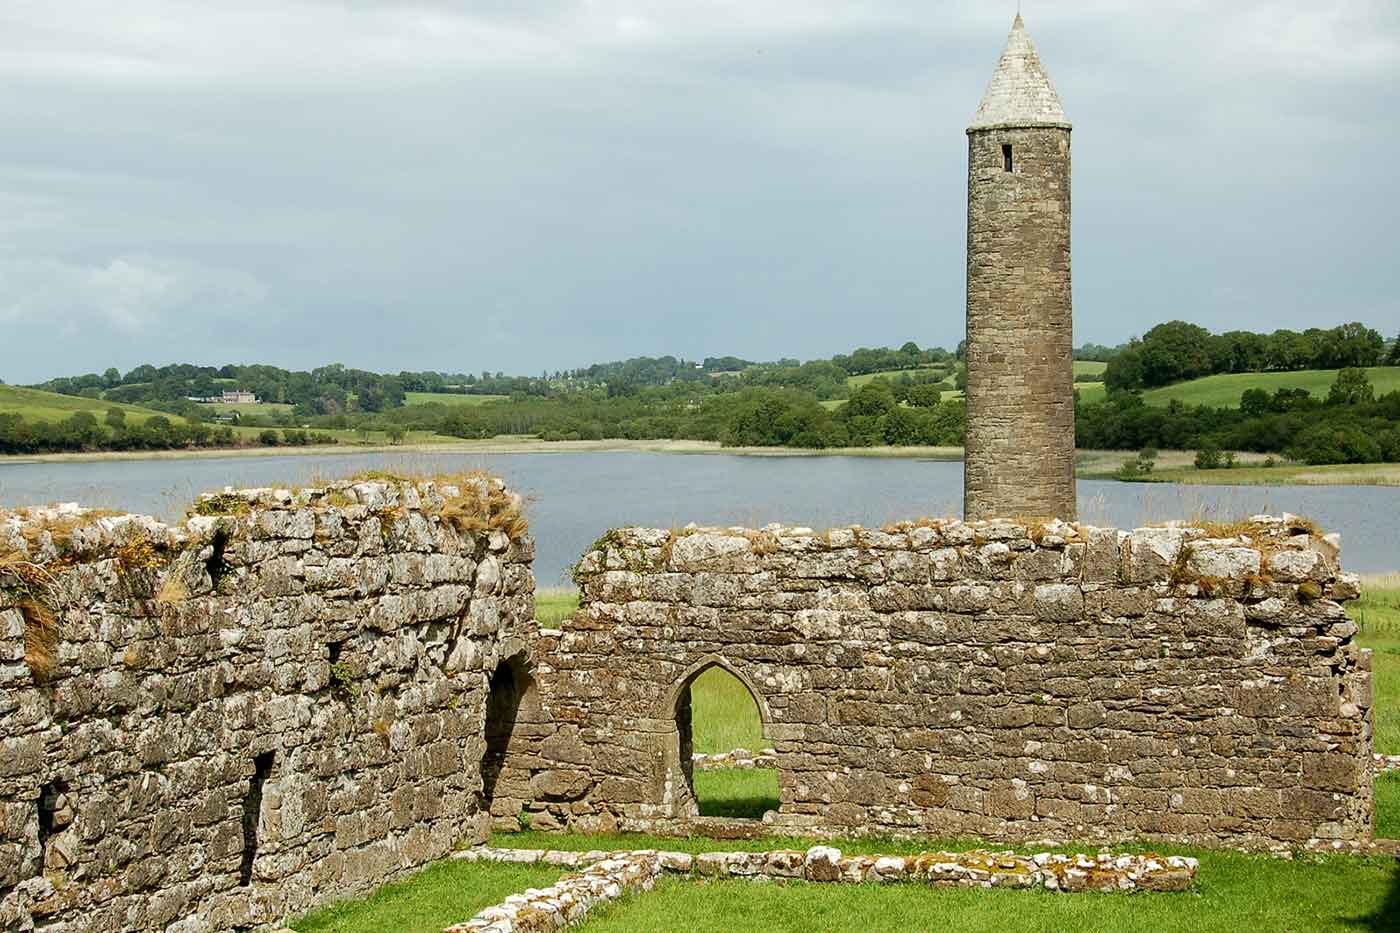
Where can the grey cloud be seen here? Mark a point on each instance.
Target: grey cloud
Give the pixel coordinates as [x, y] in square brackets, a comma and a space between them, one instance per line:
[522, 186]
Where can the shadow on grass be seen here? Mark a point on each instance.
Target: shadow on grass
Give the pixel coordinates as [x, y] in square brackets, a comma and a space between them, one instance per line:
[738, 808]
[1387, 918]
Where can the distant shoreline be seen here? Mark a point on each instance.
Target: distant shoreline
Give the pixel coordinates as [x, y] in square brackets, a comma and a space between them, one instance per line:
[1173, 467]
[494, 446]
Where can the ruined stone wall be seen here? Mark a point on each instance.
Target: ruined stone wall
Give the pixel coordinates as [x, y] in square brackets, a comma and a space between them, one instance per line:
[1020, 343]
[988, 679]
[278, 704]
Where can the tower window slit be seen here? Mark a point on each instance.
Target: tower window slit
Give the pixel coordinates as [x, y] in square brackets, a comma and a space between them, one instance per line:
[1006, 162]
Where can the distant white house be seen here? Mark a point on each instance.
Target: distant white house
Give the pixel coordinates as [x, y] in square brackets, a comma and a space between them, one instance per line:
[236, 397]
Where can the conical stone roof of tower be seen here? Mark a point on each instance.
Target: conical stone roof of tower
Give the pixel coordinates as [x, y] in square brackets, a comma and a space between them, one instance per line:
[1021, 93]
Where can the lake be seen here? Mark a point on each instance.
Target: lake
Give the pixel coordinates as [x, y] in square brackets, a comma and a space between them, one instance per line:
[575, 497]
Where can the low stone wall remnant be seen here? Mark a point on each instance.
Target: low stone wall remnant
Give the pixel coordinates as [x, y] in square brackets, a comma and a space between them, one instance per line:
[999, 679]
[740, 759]
[611, 875]
[276, 704]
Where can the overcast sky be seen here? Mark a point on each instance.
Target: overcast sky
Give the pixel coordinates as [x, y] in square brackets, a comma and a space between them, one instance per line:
[523, 185]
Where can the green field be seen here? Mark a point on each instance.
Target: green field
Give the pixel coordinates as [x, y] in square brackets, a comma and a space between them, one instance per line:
[855, 382]
[450, 398]
[245, 411]
[1224, 391]
[1086, 367]
[1234, 891]
[36, 405]
[1090, 392]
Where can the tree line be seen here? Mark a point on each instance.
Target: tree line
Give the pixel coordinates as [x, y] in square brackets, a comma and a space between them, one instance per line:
[1178, 351]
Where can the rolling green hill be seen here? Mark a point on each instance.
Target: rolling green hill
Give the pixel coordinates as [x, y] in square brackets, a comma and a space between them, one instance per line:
[1224, 391]
[35, 405]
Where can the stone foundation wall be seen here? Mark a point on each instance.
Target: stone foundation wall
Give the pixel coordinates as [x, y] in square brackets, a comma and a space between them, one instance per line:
[993, 679]
[278, 704]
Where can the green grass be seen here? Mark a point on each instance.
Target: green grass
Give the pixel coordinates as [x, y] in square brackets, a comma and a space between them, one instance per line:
[36, 405]
[554, 604]
[1377, 613]
[741, 795]
[1340, 474]
[855, 382]
[449, 398]
[723, 715]
[1234, 893]
[245, 411]
[1388, 806]
[1224, 391]
[1083, 367]
[440, 895]
[1090, 392]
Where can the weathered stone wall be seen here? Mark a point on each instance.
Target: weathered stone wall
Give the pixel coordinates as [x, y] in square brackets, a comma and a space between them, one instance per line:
[278, 704]
[987, 679]
[1020, 344]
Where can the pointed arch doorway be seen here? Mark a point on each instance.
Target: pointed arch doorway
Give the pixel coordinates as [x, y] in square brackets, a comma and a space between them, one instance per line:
[718, 710]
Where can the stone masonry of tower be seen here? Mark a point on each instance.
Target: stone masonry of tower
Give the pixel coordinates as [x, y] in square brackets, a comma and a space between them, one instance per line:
[1020, 372]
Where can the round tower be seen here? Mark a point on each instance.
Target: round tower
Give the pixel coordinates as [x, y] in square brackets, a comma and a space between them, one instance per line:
[1020, 344]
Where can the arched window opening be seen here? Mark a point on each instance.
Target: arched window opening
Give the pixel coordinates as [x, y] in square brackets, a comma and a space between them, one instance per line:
[716, 715]
[510, 709]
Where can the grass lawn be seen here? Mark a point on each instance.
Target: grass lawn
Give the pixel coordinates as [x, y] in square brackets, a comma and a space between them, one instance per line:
[1224, 391]
[1083, 367]
[1377, 613]
[1234, 893]
[439, 896]
[449, 398]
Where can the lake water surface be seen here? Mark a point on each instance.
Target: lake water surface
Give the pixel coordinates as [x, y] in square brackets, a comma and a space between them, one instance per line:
[575, 497]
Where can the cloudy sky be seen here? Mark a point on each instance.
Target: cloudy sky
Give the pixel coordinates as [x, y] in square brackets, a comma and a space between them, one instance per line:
[523, 185]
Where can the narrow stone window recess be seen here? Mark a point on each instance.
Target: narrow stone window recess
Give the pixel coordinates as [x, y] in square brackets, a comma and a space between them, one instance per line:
[1006, 162]
[252, 809]
[215, 565]
[55, 812]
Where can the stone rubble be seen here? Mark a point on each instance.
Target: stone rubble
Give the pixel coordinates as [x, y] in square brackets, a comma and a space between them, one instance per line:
[611, 875]
[1386, 763]
[740, 759]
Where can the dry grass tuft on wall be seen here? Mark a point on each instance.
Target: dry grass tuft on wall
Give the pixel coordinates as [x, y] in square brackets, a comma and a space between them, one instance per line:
[40, 637]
